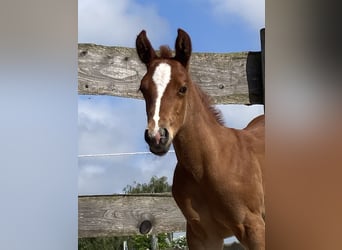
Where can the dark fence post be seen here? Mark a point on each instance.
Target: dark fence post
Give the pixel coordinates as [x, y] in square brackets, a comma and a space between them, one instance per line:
[255, 72]
[254, 77]
[262, 40]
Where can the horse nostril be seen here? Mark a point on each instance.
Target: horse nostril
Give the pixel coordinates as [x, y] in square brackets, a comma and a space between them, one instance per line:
[162, 132]
[147, 136]
[164, 135]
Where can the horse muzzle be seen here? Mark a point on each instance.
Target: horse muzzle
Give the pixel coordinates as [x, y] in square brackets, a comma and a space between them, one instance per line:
[159, 141]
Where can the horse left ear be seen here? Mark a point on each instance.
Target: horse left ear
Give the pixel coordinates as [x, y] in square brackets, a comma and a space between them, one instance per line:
[183, 48]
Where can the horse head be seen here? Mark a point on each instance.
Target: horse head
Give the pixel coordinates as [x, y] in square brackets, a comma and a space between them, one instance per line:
[165, 88]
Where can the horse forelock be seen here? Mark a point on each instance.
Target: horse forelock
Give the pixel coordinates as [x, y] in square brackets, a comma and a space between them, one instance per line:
[165, 52]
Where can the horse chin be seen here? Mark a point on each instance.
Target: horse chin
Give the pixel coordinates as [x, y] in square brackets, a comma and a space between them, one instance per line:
[160, 150]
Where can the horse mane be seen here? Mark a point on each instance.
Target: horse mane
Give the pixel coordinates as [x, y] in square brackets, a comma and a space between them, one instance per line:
[207, 101]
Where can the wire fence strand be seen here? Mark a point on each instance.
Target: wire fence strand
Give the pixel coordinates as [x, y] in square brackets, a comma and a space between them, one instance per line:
[118, 154]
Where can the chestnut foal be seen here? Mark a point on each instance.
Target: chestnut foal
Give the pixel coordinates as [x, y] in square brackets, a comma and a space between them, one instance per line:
[218, 181]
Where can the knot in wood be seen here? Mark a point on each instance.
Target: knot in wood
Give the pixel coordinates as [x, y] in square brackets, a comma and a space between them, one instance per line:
[145, 227]
[83, 52]
[146, 223]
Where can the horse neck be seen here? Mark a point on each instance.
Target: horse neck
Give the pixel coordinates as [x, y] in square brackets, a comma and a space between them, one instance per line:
[200, 134]
[198, 118]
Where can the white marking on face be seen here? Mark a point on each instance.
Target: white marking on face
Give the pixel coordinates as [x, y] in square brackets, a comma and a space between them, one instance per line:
[161, 77]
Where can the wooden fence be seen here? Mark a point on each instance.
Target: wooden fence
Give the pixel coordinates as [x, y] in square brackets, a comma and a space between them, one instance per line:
[227, 77]
[120, 215]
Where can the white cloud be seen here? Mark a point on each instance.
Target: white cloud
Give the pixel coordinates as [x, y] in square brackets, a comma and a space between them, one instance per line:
[90, 170]
[251, 11]
[117, 23]
[110, 125]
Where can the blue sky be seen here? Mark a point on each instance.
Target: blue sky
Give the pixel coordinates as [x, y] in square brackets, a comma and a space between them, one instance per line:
[113, 124]
[214, 25]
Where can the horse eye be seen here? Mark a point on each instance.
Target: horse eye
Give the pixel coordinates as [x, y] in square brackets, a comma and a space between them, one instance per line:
[182, 90]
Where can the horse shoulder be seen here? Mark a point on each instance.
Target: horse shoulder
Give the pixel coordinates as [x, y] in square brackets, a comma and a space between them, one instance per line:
[184, 187]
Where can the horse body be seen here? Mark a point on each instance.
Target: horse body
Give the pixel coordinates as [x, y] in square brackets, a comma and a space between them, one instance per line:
[218, 180]
[218, 183]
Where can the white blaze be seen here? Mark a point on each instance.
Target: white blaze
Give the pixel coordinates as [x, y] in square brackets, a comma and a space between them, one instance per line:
[161, 77]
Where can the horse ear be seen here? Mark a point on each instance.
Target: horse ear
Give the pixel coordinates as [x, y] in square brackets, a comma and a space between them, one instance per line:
[183, 48]
[144, 48]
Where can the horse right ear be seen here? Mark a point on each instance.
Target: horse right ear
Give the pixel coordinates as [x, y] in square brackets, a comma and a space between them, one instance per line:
[183, 48]
[144, 48]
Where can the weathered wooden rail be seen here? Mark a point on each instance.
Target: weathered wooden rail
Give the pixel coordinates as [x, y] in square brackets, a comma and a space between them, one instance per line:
[120, 215]
[125, 215]
[117, 71]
